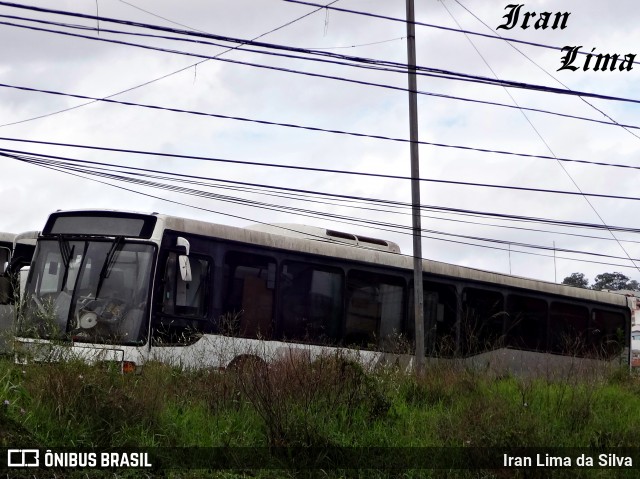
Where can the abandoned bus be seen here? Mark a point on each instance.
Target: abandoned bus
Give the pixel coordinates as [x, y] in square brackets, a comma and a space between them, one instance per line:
[129, 288]
[6, 246]
[16, 252]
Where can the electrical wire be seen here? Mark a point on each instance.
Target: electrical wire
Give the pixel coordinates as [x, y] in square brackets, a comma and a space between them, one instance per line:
[284, 192]
[289, 190]
[154, 80]
[309, 128]
[591, 105]
[425, 71]
[311, 213]
[555, 191]
[379, 175]
[361, 83]
[172, 176]
[430, 25]
[438, 95]
[546, 144]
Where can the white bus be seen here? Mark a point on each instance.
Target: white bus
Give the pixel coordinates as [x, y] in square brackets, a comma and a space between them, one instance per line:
[129, 288]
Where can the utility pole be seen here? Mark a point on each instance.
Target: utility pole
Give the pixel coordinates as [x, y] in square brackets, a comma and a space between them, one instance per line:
[418, 294]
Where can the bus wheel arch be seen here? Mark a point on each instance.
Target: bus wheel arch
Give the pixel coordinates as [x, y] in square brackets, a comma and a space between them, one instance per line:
[247, 363]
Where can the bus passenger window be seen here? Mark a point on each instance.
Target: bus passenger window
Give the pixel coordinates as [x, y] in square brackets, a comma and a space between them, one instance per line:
[440, 308]
[311, 303]
[607, 333]
[527, 322]
[483, 319]
[182, 298]
[374, 309]
[248, 297]
[568, 327]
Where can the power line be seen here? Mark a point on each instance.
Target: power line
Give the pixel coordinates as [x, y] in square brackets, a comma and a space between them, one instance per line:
[376, 175]
[241, 185]
[430, 25]
[591, 105]
[566, 172]
[140, 85]
[332, 58]
[308, 128]
[200, 35]
[387, 203]
[573, 181]
[391, 87]
[438, 95]
[298, 211]
[425, 71]
[317, 5]
[335, 218]
[284, 192]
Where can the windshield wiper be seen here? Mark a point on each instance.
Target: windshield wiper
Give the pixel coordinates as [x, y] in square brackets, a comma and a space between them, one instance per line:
[108, 262]
[65, 251]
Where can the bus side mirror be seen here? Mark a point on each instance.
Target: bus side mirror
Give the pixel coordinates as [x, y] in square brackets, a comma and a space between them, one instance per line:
[185, 268]
[183, 245]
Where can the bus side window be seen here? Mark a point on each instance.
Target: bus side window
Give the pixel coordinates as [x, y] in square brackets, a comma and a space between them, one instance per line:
[482, 320]
[249, 294]
[440, 310]
[606, 333]
[374, 309]
[182, 298]
[568, 328]
[311, 308]
[527, 322]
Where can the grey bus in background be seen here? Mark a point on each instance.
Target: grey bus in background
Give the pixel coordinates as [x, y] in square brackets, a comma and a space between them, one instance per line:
[6, 246]
[16, 252]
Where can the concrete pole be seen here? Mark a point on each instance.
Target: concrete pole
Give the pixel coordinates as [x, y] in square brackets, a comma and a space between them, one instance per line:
[418, 294]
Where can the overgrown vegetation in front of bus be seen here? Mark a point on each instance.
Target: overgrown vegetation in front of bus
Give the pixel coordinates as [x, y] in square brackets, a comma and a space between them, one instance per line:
[303, 401]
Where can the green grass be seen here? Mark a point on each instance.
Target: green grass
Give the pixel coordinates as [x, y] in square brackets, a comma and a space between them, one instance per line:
[325, 403]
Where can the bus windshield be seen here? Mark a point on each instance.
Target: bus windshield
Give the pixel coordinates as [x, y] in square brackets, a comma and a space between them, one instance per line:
[88, 291]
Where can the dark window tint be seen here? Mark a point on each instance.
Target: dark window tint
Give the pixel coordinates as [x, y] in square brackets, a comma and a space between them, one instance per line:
[607, 333]
[568, 325]
[312, 302]
[374, 308]
[482, 320]
[527, 322]
[248, 295]
[440, 306]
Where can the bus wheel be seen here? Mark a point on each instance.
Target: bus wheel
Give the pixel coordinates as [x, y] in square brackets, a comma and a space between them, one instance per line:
[247, 363]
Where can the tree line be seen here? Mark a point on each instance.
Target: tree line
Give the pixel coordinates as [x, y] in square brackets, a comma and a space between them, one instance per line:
[610, 281]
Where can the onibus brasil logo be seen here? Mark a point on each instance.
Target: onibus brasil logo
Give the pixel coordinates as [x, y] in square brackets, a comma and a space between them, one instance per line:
[34, 458]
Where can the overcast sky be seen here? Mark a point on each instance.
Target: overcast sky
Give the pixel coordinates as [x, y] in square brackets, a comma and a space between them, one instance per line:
[72, 65]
